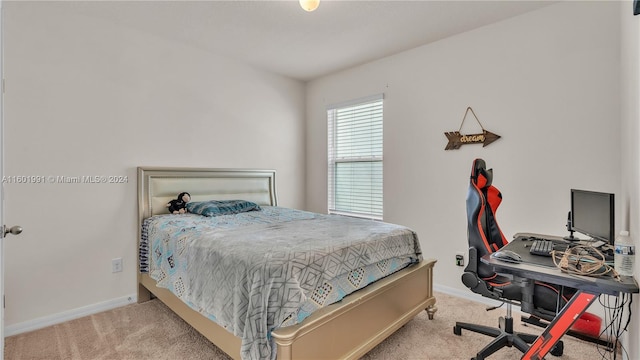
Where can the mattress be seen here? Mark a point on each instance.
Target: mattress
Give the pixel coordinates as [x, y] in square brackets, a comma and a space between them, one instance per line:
[257, 271]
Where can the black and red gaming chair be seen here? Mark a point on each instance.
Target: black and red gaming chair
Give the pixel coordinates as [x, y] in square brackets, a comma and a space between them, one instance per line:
[485, 237]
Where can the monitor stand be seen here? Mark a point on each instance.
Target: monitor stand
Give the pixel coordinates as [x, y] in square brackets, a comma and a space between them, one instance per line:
[570, 228]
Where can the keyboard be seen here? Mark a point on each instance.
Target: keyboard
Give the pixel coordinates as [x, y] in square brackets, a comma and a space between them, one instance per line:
[541, 247]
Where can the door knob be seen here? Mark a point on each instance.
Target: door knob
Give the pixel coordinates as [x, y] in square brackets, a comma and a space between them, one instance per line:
[14, 230]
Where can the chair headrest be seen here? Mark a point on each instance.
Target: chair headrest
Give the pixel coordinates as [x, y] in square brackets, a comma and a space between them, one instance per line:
[480, 175]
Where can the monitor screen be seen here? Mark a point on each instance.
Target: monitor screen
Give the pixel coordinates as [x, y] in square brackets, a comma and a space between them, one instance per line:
[592, 214]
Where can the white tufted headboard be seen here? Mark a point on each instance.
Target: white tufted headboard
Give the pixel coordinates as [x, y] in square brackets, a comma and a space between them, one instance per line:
[158, 185]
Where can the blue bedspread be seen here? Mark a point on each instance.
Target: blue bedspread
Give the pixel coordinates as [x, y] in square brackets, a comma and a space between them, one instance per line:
[256, 271]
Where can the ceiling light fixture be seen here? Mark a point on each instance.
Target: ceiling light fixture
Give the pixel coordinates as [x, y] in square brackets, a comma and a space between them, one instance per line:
[309, 5]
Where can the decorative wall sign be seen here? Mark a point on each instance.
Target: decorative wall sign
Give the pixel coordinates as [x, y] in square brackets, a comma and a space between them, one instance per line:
[456, 140]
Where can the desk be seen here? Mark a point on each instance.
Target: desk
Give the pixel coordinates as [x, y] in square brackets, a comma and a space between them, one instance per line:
[541, 268]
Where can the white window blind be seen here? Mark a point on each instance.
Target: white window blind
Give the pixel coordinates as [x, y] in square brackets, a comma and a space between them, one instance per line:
[355, 158]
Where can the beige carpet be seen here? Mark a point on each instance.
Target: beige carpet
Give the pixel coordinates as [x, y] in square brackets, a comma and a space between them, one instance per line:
[152, 331]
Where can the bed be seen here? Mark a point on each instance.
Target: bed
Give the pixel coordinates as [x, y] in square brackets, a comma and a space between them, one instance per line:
[345, 329]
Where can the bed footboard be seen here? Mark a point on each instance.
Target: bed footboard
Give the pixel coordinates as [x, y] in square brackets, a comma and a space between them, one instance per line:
[350, 328]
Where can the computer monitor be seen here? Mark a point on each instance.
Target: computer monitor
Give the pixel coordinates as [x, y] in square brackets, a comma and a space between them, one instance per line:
[592, 214]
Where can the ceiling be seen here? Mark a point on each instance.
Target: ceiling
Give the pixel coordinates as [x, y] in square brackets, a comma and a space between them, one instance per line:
[280, 37]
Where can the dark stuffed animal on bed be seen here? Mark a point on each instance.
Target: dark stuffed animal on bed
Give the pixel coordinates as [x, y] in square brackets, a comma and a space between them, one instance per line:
[179, 205]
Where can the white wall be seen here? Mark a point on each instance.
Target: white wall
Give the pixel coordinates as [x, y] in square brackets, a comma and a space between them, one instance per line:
[546, 81]
[630, 172]
[86, 97]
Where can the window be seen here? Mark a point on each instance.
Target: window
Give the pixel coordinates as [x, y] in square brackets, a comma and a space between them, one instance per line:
[355, 158]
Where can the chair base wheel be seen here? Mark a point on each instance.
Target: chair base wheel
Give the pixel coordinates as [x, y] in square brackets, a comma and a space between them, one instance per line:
[557, 349]
[457, 330]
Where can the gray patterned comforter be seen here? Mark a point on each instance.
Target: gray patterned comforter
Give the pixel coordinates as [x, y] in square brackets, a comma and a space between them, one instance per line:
[257, 271]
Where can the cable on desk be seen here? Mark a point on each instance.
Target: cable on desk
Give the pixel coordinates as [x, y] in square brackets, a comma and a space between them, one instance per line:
[583, 260]
[613, 329]
[589, 261]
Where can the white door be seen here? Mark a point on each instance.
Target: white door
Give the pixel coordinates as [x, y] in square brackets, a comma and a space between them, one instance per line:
[15, 230]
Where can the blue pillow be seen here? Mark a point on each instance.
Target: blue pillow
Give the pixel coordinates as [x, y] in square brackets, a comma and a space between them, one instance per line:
[221, 207]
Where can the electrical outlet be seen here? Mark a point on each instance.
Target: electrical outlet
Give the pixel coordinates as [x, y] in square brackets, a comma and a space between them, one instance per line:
[116, 265]
[459, 259]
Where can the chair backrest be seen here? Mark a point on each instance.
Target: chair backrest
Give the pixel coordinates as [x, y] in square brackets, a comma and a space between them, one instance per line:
[483, 200]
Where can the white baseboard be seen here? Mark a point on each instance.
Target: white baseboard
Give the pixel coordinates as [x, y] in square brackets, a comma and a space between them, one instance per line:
[469, 295]
[465, 294]
[58, 318]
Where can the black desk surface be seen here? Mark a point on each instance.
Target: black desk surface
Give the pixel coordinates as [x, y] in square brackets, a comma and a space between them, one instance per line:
[542, 268]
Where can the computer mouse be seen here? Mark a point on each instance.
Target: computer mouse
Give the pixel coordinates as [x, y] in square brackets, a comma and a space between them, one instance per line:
[507, 255]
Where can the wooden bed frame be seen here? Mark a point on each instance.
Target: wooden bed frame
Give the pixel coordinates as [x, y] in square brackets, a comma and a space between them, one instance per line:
[344, 330]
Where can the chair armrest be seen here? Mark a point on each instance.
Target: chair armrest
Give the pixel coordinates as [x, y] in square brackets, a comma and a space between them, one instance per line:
[471, 279]
[472, 265]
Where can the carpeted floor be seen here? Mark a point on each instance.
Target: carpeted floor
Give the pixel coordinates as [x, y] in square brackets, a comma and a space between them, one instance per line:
[152, 331]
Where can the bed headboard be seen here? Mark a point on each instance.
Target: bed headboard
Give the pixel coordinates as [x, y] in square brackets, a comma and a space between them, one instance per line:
[158, 185]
